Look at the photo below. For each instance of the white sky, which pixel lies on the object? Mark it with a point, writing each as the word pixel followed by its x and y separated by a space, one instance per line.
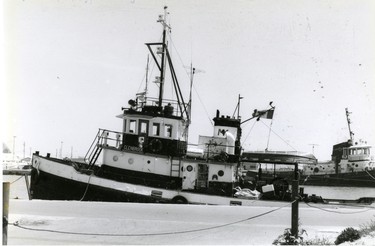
pixel 71 65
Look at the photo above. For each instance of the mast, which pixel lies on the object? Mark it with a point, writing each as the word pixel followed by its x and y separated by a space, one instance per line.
pixel 148 58
pixel 162 20
pixel 192 72
pixel 188 113
pixel 237 107
pixel 348 120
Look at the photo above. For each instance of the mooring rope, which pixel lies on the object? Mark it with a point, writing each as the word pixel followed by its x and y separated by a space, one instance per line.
pixel 87 187
pixel 17 179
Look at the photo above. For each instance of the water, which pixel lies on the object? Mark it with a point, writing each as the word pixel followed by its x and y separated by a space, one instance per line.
pixel 18 190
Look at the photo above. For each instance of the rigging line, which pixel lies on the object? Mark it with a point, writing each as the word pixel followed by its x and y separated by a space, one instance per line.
pixel 179 57
pixel 278 136
pixel 204 107
pixel 188 75
pixel 144 78
pixel 249 132
pixel 338 212
pixel 16 224
pixel 17 179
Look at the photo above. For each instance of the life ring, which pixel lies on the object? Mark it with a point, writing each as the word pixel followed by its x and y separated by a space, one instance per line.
pixel 156 146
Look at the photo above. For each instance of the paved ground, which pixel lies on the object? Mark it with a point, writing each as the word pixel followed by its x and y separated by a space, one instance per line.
pixel 165 223
pixel 169 224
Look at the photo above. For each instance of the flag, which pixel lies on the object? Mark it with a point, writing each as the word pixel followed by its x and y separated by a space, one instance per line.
pixel 267 114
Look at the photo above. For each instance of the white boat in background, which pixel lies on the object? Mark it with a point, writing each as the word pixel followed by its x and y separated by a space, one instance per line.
pixel 12 161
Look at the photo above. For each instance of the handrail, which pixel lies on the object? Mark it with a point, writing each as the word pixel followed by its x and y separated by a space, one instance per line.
pixel 90 150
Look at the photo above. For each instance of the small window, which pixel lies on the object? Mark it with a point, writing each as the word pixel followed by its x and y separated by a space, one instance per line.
pixel 168 130
pixel 143 127
pixel 155 129
pixel 124 130
pixel 132 124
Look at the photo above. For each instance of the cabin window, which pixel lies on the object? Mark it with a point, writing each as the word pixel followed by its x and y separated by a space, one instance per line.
pixel 143 127
pixel 124 129
pixel 156 129
pixel 132 126
pixel 168 130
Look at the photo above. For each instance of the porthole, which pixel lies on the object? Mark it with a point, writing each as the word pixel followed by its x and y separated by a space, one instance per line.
pixel 131 161
pixel 148 162
pixel 115 158
pixel 220 173
pixel 189 168
pixel 316 170
pixel 356 165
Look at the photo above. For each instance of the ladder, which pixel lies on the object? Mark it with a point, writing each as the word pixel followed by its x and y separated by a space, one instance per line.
pixel 175 167
pixel 95 155
pixel 95 149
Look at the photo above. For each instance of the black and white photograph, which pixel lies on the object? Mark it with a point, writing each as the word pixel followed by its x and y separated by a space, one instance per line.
pixel 166 122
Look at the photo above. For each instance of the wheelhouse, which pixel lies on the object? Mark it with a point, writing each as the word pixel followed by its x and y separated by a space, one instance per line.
pixel 357 153
pixel 153 129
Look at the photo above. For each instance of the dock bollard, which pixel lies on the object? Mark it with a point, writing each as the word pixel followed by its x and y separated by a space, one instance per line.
pixel 6 186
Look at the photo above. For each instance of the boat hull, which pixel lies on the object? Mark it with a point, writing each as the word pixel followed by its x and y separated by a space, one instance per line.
pixel 46 186
pixel 55 179
pixel 354 179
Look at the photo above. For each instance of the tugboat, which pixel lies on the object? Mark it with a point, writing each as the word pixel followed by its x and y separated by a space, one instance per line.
pixel 351 165
pixel 149 160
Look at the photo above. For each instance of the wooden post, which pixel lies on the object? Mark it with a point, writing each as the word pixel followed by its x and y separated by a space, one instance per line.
pixel 295 200
pixel 6 186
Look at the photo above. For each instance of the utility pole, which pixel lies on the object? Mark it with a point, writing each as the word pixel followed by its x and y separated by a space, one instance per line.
pixel 313 147
pixel 61 147
pixel 24 144
pixel 14 145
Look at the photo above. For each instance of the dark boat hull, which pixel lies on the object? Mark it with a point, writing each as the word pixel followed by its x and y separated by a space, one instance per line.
pixel 46 186
pixel 354 179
